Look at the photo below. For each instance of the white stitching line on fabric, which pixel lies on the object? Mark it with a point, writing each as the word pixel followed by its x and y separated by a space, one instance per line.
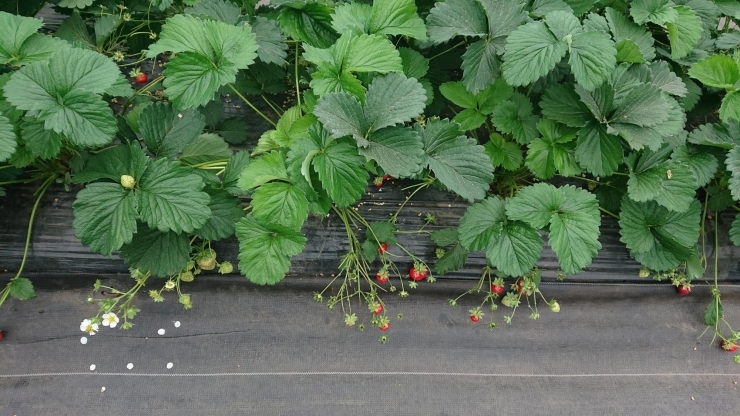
pixel 369 373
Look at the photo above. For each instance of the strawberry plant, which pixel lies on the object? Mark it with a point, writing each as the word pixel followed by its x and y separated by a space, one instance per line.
pixel 546 117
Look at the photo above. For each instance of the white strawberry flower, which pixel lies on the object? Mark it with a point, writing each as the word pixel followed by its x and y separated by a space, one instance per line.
pixel 110 319
pixel 88 326
pixel 169 284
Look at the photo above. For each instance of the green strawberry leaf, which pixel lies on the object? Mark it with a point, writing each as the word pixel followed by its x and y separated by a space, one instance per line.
pixel 21 288
pixel 625 30
pixel 597 151
pixel 660 239
pixel 503 18
pixel 263 169
pixel 733 165
pixel 7 138
pixel 208 147
pixel 113 163
pixel 554 151
pixel 684 32
pixel 280 203
pixel 223 11
pixel 730 108
pixel 309 22
pixel 506 154
pixel 562 104
pixel 234 167
pixel 456 92
pixel 654 11
pixel 342 115
pixel 516 250
pixel 628 51
pixel 265 250
pixel 351 18
pixel 382 231
pixel 735 231
pixel 226 211
pixel 592 58
pixel 713 313
pixel 482 223
pixel 271 46
pixel 42 143
pixel 20 44
pixel 515 117
pixel 573 218
pixel 445 237
pixel 166 131
pixel 342 173
pixel 161 254
pixel 480 65
pixel 654 177
pixel 456 18
pixel 454 258
pixel 105 216
pixel 398 150
pixel 643 106
pixel 170 198
pixel 703 165
pixel 393 99
pixel 396 17
pixel 531 52
pixel 456 160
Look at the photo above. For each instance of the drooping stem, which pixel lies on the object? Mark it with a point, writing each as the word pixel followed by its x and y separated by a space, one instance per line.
pixel 40 194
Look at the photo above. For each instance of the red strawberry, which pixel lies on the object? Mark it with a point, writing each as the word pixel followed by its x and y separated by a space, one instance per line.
pixel 383 248
pixel 378 309
pixel 141 78
pixel 382 277
pixel 385 326
pixel 683 290
pixel 2 335
pixel 474 318
pixel 728 346
pixel 497 289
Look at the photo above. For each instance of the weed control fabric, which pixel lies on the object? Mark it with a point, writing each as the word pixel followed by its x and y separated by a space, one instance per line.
pixel 613 349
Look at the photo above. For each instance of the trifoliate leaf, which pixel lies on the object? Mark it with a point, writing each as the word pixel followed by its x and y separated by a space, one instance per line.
pixel 554 151
pixel 516 250
pixel 719 71
pixel 564 25
pixel 280 203
pixel 703 165
pixel 270 41
pixel 351 17
pixel 655 11
pixel 170 197
pixel 396 17
pixel 531 52
pixel 735 231
pixel 684 32
pixel 226 211
pixel 7 138
pixel 160 253
pixel 381 231
pixel 624 29
pixel 667 237
pixel 454 258
pixel 561 103
pixel 730 108
pixel 654 177
pixel 83 118
pixel 21 288
pixel 597 151
pixel 265 250
pixel 308 22
pixel 456 18
pixel 393 99
pixel 398 150
pixel 480 65
pixel 14 30
pixel 44 144
pixel 329 79
pixel 506 154
pixel 192 79
pixel 206 148
pixel 456 160
pixel 222 10
pixel 573 217
pixel 105 216
pixel 503 18
pixel 592 58
pixel 515 117
pixel 456 92
pixel 342 173
pixel 182 33
pixel 167 131
pixel 482 223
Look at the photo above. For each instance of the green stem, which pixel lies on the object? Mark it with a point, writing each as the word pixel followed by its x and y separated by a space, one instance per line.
pixel 271 105
pixel 607 212
pixel 247 102
pixel 447 50
pixel 297 86
pixel 18 181
pixel 428 181
pixel 41 192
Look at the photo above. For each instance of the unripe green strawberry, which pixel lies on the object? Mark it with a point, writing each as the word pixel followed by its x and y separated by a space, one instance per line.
pixel 128 181
pixel 206 259
pixel 187 276
pixel 225 267
pixel 554 306
pixel 644 272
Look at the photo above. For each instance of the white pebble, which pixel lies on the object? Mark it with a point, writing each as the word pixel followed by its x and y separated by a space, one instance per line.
pixel 92 367
pixel 169 365
pixel 130 365
pixel 83 340
pixel 161 331
pixel 177 324
pixel 102 389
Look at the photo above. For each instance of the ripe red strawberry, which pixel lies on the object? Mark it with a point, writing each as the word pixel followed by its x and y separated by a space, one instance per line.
pixel 141 78
pixel 418 272
pixel 378 309
pixel 385 326
pixel 2 335
pixel 728 346
pixel 388 178
pixel 497 289
pixel 474 318
pixel 683 290
pixel 519 284
pixel 382 277
pixel 383 248
pixel 378 181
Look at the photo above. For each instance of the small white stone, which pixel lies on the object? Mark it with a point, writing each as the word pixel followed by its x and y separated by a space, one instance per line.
pixel 169 365
pixel 177 324
pixel 161 331
pixel 92 367
pixel 83 340
pixel 102 389
pixel 130 365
